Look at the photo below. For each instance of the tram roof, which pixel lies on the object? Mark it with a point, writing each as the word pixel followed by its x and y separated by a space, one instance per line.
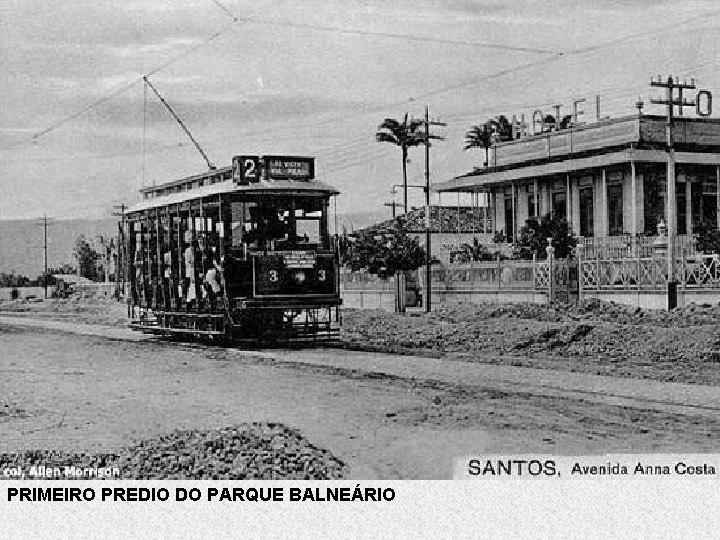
pixel 229 187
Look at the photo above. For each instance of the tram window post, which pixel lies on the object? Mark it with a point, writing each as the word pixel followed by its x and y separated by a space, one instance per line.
pixel 167 260
pixel 192 266
pixel 159 288
pixel 131 283
pixel 179 290
pixel 324 244
pixel 143 262
pixel 204 246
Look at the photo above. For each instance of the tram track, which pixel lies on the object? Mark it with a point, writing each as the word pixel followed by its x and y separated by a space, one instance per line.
pixel 451 372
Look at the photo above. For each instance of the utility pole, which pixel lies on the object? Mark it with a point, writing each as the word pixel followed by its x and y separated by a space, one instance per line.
pixel 428 247
pixel 44 225
pixel 671 102
pixel 393 191
pixel 392 205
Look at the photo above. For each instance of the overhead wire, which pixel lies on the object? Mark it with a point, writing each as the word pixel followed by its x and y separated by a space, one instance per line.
pixel 462 84
pixel 390 35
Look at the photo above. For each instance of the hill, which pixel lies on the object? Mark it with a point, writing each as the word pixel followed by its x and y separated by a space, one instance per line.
pixel 21 242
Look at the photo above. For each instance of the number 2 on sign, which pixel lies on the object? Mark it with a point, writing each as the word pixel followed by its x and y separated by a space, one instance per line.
pixel 249 168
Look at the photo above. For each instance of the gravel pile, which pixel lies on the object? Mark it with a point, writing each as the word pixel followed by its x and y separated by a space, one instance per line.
pixel 598 337
pixel 244 452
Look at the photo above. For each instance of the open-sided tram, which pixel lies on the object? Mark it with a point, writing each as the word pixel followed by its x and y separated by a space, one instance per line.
pixel 240 253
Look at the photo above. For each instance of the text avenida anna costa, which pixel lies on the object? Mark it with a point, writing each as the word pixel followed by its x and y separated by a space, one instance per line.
pixel 549 467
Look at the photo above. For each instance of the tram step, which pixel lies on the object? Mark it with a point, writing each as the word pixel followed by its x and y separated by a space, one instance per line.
pixel 165 329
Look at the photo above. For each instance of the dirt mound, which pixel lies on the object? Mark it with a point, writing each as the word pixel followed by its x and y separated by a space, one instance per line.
pixel 102 311
pixel 248 451
pixel 593 336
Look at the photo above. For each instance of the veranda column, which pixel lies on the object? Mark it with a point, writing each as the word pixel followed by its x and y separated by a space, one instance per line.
pixel 536 198
pixel 568 200
pixel 633 201
pixel 603 214
pixel 688 205
pixel 717 194
pixel 491 209
pixel 513 195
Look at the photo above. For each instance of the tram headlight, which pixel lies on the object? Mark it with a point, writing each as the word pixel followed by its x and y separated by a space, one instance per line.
pixel 299 277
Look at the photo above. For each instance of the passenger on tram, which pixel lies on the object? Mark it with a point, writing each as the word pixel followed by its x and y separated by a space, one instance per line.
pixel 190 274
pixel 211 282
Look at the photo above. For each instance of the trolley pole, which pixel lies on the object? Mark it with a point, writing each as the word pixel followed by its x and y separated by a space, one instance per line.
pixel 428 246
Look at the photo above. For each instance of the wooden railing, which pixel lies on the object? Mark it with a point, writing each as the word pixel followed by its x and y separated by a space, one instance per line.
pixel 649 273
pixel 630 246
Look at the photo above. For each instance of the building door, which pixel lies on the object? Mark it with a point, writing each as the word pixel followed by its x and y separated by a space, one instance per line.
pixel 509 221
pixel 559 205
pixel 586 212
pixel 615 209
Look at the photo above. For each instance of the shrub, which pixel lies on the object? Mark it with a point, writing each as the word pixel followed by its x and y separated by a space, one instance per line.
pixel 534 235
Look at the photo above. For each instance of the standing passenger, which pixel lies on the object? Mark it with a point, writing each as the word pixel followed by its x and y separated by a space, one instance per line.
pixel 190 291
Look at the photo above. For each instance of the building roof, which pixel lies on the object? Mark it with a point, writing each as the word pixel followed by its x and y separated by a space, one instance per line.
pixel 606 143
pixel 464 219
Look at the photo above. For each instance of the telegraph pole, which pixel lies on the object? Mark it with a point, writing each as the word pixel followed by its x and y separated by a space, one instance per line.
pixel 44 225
pixel 428 247
pixel 671 102
pixel 392 205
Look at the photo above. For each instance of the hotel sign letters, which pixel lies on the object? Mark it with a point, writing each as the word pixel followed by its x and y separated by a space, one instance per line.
pixel 540 121
pixel 703 103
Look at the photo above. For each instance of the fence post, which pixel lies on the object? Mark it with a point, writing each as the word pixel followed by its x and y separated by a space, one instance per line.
pixel 534 270
pixel 579 275
pixel 683 269
pixel 551 270
pixel 597 269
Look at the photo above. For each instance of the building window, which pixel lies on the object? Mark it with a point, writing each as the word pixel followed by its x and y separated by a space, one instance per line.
pixel 681 203
pixel 615 209
pixel 586 212
pixel 559 204
pixel 654 188
pixel 707 193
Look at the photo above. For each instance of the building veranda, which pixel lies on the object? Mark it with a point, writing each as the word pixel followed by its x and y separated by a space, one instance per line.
pixel 635 191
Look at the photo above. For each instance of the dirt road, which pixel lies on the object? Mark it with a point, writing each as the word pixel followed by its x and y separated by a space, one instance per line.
pixel 88 393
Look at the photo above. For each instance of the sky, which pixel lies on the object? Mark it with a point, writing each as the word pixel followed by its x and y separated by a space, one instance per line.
pixel 78 134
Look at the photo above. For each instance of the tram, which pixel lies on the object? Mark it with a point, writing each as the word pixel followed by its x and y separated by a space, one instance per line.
pixel 235 254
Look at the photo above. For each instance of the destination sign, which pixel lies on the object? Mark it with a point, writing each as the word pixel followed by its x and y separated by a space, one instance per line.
pixel 299 259
pixel 289 167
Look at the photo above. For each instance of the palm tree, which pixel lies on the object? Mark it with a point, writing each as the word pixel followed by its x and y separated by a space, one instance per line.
pixel 404 134
pixel 502 128
pixel 479 137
